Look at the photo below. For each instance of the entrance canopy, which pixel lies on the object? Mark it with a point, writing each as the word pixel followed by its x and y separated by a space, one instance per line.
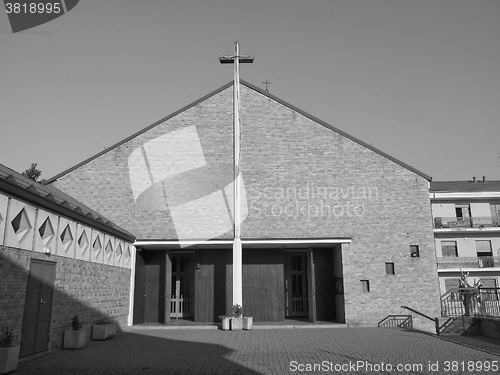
pixel 248 243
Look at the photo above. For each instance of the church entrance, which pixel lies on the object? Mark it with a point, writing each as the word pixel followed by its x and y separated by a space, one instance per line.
pixel 181 296
pixel 296 295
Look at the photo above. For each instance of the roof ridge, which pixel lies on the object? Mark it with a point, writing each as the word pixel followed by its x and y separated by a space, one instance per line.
pixel 259 90
pixel 337 130
pixel 156 123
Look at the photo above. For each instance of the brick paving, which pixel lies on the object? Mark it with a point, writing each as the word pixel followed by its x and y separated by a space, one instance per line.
pixel 143 350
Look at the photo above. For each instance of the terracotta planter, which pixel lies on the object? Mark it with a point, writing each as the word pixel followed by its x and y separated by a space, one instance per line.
pixel 74 339
pixel 9 357
pixel 236 324
pixel 225 322
pixel 247 323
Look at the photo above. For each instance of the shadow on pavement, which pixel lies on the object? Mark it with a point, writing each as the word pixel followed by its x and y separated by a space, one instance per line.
pixel 136 353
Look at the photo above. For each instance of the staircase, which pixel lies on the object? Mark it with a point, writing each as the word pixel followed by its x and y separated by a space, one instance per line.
pixel 399 321
pixel 463 325
pixel 459 307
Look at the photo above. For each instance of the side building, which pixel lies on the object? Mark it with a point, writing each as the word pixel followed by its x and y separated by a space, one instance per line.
pixel 58 258
pixel 325 226
pixel 466 218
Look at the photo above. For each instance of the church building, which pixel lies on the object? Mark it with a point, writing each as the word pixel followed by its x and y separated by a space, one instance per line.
pixel 332 229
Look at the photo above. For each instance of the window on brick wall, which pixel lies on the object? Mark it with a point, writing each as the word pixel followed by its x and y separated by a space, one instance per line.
pixel 450 284
pixel 365 286
pixel 462 210
pixel 489 283
pixel 483 248
pixel 389 268
pixel 414 251
pixel 495 214
pixel 449 248
pixel 489 294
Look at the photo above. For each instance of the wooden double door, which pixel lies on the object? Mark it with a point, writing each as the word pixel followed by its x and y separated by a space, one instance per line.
pixel 164 287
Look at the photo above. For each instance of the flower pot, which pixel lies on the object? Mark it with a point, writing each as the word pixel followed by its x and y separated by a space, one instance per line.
pixel 236 324
pixel 225 323
pixel 74 339
pixel 103 331
pixel 112 330
pixel 247 323
pixel 9 357
pixel 100 332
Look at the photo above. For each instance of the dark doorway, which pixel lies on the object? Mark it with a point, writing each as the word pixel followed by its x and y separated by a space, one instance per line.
pixel 149 291
pixel 38 307
pixel 296 304
pixel 182 287
pixel 152 294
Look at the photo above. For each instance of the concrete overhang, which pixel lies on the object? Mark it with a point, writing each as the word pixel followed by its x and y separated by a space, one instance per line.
pixel 247 243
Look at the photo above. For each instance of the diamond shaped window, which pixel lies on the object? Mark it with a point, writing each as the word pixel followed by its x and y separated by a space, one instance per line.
pixel 109 248
pixel 46 231
pixel 66 237
pixel 128 254
pixel 119 250
pixel 83 241
pixel 97 246
pixel 21 225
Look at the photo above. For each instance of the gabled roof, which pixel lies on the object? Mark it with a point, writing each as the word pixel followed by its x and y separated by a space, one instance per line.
pixel 464 186
pixel 52 199
pixel 262 92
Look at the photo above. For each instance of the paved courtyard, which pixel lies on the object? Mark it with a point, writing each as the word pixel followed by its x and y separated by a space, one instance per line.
pixel 143 350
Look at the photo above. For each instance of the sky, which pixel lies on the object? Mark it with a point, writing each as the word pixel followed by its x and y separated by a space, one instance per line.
pixel 419 80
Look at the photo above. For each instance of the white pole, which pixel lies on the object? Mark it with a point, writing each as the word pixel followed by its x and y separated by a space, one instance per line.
pixel 237 251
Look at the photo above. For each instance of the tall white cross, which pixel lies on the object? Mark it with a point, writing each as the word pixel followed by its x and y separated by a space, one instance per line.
pixel 237 251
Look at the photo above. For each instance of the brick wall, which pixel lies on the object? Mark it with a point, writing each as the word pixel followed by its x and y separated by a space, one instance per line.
pixel 91 291
pixel 302 180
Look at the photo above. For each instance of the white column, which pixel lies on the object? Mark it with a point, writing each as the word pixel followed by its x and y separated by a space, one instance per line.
pixel 237 251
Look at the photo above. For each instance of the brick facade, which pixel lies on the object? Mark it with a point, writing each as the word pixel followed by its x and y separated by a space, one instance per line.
pixel 303 179
pixel 91 291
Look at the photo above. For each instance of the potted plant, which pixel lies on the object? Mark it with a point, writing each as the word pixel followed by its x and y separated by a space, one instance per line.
pixel 237 319
pixel 75 337
pixel 103 330
pixel 225 321
pixel 9 351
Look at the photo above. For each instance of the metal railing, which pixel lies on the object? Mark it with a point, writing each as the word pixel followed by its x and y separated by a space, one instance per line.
pixel 435 320
pixel 471 302
pixel 468 262
pixel 397 321
pixel 466 222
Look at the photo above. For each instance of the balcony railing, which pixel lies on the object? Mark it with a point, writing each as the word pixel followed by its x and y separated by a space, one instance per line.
pixel 471 302
pixel 468 262
pixel 466 222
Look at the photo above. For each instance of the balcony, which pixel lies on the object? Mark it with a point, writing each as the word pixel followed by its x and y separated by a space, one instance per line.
pixel 467 262
pixel 458 302
pixel 441 222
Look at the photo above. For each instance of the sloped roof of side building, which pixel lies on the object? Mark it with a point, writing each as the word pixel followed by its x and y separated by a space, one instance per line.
pixel 466 186
pixel 53 199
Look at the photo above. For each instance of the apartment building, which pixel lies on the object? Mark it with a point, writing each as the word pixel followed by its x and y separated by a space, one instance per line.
pixel 466 216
